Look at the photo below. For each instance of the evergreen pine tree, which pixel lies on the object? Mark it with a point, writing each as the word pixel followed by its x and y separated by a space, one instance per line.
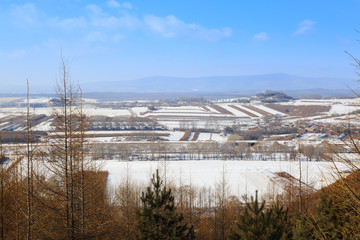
pixel 250 224
pixel 158 218
pixel 280 223
pixel 328 220
pixel 303 229
pixel 256 222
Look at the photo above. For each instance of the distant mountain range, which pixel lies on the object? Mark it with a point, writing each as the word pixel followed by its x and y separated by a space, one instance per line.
pixel 279 82
pixel 242 85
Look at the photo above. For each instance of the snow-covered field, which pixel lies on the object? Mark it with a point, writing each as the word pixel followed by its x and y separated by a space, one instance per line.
pixel 269 110
pixel 108 112
pixel 242 177
pixel 343 109
pixel 210 117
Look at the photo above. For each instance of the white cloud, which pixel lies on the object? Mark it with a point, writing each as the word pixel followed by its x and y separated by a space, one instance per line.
pixel 103 26
pixel 304 27
pixel 96 37
pixel 68 23
pixel 262 36
pixel 26 13
pixel 171 27
pixel 101 37
pixel 94 9
pixel 99 18
pixel 127 5
pixel 125 21
pixel 14 54
pixel 115 4
pixel 117 37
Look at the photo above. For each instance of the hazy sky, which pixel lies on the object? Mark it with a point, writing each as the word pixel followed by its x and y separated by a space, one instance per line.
pixel 116 40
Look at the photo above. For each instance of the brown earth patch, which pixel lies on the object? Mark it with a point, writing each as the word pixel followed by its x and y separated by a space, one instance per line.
pixel 221 109
pixel 195 137
pixel 300 110
pixel 186 135
pixel 258 110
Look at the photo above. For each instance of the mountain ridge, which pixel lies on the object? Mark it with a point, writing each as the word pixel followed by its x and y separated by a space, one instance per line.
pixel 275 81
pixel 211 84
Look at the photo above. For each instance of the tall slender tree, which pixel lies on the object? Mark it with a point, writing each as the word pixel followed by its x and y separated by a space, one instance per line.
pixel 75 184
pixel 29 167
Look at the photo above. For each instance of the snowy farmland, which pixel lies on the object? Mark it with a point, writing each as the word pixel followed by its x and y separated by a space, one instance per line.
pixel 214 116
pixel 210 130
pixel 242 177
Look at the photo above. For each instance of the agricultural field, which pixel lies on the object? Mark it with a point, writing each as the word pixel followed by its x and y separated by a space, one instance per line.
pixel 256 144
pixel 212 117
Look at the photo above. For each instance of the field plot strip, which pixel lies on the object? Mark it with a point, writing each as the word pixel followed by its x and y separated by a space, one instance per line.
pixel 195 137
pixel 300 110
pixel 236 112
pixel 193 117
pixel 180 113
pixel 206 109
pixel 244 111
pixel 186 135
pixel 204 137
pixel 221 109
pixel 270 110
pixel 131 134
pixel 213 110
pixel 255 109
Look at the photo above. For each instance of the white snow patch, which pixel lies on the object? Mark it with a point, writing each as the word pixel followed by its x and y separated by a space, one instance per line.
pixel 269 110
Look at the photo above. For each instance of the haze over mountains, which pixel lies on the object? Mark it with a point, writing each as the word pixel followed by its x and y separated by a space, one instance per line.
pixel 219 84
pixel 211 84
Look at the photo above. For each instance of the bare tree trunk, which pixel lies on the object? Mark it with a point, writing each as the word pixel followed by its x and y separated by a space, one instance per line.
pixel 300 173
pixel 2 202
pixel 29 166
pixel 82 170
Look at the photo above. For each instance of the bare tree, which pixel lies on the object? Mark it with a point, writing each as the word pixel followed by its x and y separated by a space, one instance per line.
pixel 222 218
pixel 76 183
pixel 29 168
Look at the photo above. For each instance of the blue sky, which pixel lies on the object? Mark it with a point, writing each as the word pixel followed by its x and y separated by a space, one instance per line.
pixel 117 40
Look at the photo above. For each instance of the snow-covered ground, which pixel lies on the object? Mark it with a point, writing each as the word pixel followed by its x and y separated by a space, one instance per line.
pixel 139 110
pixel 9 99
pixel 242 106
pixel 185 109
pixel 108 112
pixel 269 110
pixel 233 110
pixel 343 109
pixel 204 137
pixel 243 177
pixel 175 136
pixel 197 123
pixel 43 126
